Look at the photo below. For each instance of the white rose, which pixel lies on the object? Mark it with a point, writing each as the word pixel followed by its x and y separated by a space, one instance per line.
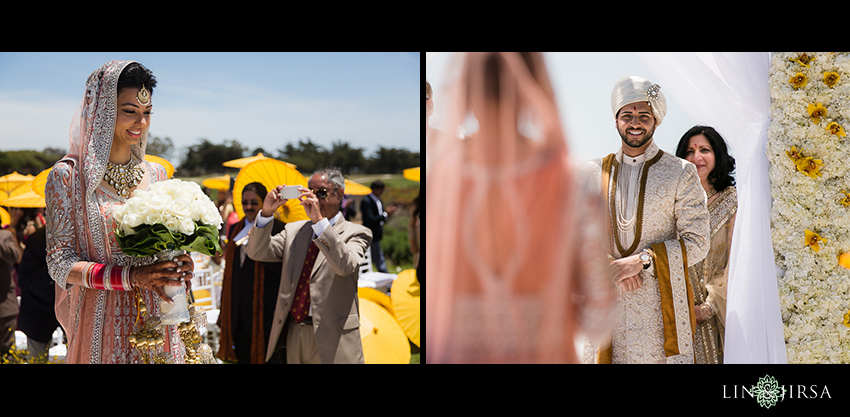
pixel 130 221
pixel 172 224
pixel 210 216
pixel 159 202
pixel 196 209
pixel 181 207
pixel 186 226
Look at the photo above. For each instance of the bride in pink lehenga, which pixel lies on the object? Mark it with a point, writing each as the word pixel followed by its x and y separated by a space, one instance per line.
pixel 97 284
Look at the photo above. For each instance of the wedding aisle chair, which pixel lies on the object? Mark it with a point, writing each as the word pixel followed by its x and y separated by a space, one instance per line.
pixel 378 280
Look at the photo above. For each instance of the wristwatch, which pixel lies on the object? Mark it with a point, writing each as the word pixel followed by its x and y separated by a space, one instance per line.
pixel 646 258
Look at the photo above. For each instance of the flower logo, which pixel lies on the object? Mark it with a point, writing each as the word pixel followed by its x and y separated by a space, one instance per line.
pixel 768 391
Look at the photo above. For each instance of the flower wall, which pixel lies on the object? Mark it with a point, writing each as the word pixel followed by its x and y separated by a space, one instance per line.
pixel 809 154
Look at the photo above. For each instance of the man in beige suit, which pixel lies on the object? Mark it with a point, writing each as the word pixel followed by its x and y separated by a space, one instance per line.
pixel 318 322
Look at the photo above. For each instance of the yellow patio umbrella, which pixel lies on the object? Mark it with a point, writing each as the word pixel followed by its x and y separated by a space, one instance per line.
pixel 377 296
pixel 242 162
pixel 5 218
pixel 28 199
pixel 355 188
pixel 14 180
pixel 412 174
pixel 382 337
pixel 16 192
pixel 271 173
pixel 169 168
pixel 217 183
pixel 404 294
pixel 39 181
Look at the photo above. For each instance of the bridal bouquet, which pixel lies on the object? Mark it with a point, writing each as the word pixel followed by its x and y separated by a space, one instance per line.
pixel 170 215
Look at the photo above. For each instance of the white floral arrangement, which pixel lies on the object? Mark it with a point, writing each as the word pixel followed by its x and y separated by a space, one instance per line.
pixel 809 154
pixel 169 215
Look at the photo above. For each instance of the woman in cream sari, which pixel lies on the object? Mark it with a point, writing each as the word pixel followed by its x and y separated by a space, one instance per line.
pixel 706 149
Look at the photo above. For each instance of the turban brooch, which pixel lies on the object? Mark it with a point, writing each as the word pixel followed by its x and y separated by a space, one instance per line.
pixel 636 89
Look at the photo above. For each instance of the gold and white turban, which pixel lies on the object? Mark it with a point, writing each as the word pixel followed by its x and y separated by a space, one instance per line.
pixel 636 89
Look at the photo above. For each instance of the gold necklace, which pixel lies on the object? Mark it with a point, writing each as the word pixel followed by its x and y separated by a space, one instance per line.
pixel 124 177
pixel 711 193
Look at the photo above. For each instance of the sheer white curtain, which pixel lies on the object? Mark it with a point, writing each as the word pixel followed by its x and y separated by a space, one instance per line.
pixel 729 91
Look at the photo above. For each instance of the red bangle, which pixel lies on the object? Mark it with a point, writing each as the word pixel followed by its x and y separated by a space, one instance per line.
pixel 107 277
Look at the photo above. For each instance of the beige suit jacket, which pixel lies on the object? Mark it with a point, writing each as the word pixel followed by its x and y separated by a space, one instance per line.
pixel 333 283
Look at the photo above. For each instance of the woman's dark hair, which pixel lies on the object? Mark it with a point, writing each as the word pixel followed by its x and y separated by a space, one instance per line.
pixel 135 75
pixel 724 164
pixel 257 188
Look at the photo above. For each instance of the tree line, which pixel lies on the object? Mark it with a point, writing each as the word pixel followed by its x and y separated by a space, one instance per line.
pixel 206 157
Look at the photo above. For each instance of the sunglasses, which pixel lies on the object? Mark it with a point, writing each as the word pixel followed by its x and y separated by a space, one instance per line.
pixel 321 193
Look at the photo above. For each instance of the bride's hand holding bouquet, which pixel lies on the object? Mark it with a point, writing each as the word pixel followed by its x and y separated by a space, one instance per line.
pixel 165 220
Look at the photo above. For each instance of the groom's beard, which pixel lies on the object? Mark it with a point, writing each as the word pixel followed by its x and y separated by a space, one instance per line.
pixel 636 142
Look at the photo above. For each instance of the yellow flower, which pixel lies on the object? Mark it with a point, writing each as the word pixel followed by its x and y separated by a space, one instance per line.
pixel 836 129
pixel 813 239
pixel 810 166
pixel 798 80
pixel 794 154
pixel 803 59
pixel 830 78
pixel 844 260
pixel 846 200
pixel 847 319
pixel 816 112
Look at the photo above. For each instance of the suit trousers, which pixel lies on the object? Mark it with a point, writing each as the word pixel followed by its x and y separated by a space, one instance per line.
pixel 378 256
pixel 301 343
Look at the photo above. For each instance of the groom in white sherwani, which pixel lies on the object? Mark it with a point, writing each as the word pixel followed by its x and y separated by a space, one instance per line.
pixel 659 227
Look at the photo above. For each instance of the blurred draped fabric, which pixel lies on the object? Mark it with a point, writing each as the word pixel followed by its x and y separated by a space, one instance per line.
pixel 729 91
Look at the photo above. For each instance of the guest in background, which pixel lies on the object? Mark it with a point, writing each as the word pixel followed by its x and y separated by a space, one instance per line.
pixel 317 317
pixel 10 254
pixel 705 148
pixel 413 230
pixel 37 318
pixel 374 217
pixel 249 290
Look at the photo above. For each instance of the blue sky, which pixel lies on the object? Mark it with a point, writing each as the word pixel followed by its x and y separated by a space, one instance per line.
pixel 583 82
pixel 260 99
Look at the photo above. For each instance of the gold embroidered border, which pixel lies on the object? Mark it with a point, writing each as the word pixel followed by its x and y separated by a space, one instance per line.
pixel 611 206
pixel 676 300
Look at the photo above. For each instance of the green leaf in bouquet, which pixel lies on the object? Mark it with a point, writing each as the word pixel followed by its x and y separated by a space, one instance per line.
pixel 149 240
pixel 205 240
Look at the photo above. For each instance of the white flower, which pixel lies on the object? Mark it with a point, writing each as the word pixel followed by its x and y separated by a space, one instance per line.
pixel 186 226
pixel 173 203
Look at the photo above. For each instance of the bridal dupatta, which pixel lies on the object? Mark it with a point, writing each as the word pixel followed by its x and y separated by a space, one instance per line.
pixel 80 233
pixel 516 252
